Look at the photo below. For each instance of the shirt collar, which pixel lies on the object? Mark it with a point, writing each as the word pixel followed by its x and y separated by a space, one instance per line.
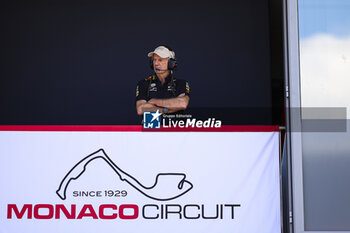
pixel 167 79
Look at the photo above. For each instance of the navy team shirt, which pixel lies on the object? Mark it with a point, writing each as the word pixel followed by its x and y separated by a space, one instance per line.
pixel 151 87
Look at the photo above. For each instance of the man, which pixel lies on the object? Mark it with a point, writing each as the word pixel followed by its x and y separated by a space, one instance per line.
pixel 162 91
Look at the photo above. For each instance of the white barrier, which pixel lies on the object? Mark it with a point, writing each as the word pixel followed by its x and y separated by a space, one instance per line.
pixel 150 182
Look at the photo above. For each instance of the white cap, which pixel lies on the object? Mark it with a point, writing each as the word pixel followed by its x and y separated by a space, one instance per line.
pixel 163 52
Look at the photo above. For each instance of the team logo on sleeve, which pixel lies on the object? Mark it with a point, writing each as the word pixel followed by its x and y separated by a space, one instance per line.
pixel 137 91
pixel 187 88
pixel 151 120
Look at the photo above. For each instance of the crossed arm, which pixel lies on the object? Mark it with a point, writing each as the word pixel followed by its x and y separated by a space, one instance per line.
pixel 172 104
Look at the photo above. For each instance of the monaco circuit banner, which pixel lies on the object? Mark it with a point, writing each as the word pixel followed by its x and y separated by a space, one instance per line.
pixel 133 182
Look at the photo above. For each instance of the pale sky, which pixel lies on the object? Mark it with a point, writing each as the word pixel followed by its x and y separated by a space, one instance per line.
pixel 324 16
pixel 324 27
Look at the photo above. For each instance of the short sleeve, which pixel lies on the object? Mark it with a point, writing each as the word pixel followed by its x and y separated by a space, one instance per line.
pixel 141 90
pixel 182 86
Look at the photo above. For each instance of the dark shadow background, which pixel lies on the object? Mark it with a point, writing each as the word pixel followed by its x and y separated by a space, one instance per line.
pixel 79 62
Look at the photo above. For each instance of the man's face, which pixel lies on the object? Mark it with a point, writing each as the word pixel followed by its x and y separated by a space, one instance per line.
pixel 160 63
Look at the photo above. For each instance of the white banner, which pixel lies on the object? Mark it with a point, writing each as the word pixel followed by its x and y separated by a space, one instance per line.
pixel 130 182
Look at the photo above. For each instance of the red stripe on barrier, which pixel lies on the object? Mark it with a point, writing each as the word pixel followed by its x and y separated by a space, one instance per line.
pixel 223 128
pixel 104 128
pixel 138 128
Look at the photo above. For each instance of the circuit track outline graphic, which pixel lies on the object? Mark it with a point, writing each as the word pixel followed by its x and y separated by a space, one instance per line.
pixel 183 186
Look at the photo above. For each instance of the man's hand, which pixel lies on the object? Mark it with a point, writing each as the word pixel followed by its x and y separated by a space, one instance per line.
pixel 173 104
pixel 144 106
